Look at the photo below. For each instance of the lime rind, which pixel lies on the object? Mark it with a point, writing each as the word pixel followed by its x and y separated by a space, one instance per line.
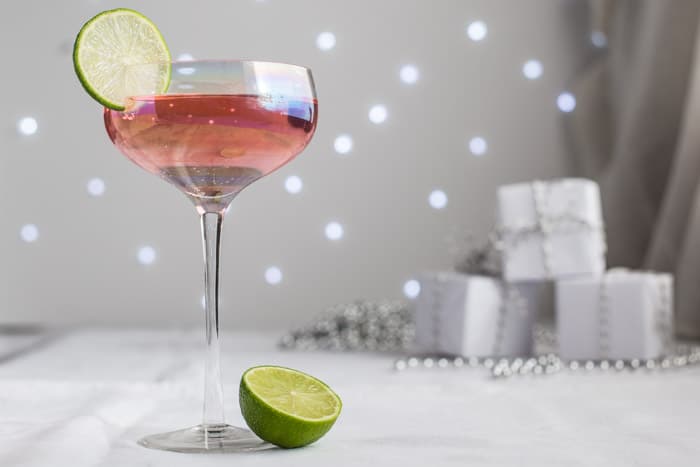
pixel 308 390
pixel 111 41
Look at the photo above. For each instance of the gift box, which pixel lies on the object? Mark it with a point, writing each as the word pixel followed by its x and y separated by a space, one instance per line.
pixel 551 230
pixel 469 315
pixel 622 315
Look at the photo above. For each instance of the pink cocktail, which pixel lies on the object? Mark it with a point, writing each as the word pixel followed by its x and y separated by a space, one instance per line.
pixel 211 146
pixel 221 126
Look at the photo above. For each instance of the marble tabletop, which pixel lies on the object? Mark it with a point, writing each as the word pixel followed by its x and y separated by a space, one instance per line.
pixel 82 398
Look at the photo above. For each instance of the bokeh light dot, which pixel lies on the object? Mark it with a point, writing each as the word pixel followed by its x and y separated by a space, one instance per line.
pixel 409 74
pixel 29 233
pixel 146 255
pixel 343 144
pixel 334 231
pixel 185 57
pixel 437 199
pixel 599 39
pixel 27 126
pixel 566 102
pixel 96 186
pixel 325 41
pixel 273 275
pixel 378 114
pixel 477 30
pixel 478 146
pixel 532 69
pixel 293 184
pixel 411 288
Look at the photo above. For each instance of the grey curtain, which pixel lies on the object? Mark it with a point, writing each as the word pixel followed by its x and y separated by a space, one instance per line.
pixel 636 129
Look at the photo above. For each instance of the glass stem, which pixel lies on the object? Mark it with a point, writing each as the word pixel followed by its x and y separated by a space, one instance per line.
pixel 213 391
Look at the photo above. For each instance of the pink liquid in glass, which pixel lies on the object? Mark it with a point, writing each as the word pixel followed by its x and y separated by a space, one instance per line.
pixel 211 145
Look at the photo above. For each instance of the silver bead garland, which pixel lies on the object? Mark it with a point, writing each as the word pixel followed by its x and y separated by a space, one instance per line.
pixel 481 259
pixel 362 325
pixel 682 355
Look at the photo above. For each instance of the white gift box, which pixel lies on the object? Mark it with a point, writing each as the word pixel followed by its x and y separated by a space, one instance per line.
pixel 622 315
pixel 477 316
pixel 551 230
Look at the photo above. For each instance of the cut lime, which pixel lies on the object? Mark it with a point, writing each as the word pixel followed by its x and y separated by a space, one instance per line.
pixel 105 48
pixel 287 407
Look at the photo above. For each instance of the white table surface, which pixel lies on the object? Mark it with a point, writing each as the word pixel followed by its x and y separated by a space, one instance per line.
pixel 84 398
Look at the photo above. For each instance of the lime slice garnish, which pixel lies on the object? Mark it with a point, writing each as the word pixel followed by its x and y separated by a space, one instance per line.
pixel 106 46
pixel 287 407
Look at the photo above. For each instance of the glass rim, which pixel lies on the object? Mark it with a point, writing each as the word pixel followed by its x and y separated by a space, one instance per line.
pixel 219 61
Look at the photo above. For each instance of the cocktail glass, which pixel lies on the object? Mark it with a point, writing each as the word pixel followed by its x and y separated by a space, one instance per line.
pixel 220 126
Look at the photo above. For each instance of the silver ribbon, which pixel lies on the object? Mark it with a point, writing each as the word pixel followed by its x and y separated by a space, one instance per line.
pixel 662 312
pixel 437 309
pixel 512 303
pixel 604 318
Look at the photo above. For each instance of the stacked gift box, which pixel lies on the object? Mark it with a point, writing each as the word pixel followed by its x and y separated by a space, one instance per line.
pixel 548 232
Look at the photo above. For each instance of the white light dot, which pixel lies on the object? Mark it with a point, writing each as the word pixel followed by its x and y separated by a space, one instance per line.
pixel 477 30
pixel 204 302
pixel 29 233
pixel 186 70
pixel 146 255
pixel 334 231
pixel 273 275
pixel 27 126
pixel 378 114
pixel 532 69
pixel 343 144
pixel 437 199
pixel 599 39
pixel 96 186
pixel 293 184
pixel 566 102
pixel 411 288
pixel 478 146
pixel 325 41
pixel 409 74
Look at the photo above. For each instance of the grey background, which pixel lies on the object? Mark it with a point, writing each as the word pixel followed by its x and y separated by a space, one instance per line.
pixel 83 268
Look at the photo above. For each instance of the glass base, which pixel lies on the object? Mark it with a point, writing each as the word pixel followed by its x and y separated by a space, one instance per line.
pixel 206 438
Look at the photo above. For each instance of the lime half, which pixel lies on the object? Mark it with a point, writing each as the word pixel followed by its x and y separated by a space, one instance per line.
pixel 105 48
pixel 287 407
